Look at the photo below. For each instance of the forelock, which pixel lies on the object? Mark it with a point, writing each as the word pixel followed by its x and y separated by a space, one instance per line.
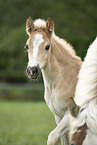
pixel 39 23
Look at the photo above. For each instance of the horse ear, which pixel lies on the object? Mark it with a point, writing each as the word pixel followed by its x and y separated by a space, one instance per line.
pixel 50 25
pixel 29 25
pixel 73 107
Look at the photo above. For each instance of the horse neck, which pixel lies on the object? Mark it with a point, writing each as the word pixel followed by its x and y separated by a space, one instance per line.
pixel 59 59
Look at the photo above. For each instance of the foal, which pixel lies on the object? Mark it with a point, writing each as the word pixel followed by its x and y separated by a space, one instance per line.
pixel 59 65
pixel 84 121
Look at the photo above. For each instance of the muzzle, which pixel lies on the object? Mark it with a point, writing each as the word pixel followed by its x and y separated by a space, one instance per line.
pixel 33 72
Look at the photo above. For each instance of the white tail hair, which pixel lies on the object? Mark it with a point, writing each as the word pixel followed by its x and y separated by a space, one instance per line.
pixel 86 88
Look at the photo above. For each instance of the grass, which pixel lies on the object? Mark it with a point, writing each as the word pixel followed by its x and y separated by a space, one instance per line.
pixel 25 123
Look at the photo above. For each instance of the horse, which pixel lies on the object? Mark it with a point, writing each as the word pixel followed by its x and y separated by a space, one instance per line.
pixel 59 64
pixel 83 107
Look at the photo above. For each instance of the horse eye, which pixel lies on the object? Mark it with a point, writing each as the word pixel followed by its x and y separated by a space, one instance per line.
pixel 26 47
pixel 47 47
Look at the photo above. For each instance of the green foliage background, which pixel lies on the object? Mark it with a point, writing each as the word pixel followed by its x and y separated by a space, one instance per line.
pixel 75 21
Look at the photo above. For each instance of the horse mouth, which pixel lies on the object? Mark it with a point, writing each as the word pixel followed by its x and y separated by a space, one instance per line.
pixel 33 72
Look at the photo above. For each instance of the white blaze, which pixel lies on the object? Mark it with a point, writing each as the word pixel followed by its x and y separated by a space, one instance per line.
pixel 37 41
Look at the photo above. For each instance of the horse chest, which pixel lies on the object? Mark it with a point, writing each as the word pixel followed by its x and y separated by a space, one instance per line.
pixel 55 105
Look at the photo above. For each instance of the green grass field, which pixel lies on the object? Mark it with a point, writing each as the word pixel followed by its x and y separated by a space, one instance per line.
pixel 25 123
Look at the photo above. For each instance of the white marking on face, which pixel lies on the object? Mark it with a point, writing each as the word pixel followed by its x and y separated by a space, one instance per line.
pixel 37 41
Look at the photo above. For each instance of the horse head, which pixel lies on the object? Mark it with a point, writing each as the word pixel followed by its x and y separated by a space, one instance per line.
pixel 38 45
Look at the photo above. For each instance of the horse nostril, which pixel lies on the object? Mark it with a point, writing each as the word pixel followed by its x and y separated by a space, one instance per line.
pixel 34 70
pixel 28 71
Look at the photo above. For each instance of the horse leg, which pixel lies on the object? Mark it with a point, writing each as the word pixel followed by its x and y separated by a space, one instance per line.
pixel 64 139
pixel 54 139
pixel 55 136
